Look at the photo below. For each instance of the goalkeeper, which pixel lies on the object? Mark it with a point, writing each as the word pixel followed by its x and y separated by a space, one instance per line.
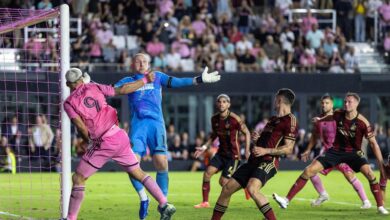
pixel 147 121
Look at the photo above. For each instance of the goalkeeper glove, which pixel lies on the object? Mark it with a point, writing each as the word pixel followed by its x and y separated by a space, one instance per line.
pixel 208 77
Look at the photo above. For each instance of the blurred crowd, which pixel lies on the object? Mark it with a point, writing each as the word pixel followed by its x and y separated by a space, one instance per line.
pixel 227 35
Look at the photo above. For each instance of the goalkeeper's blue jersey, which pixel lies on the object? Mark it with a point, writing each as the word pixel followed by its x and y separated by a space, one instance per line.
pixel 146 101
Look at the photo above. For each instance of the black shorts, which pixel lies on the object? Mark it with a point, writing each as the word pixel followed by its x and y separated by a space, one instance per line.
pixel 263 171
pixel 226 164
pixel 331 158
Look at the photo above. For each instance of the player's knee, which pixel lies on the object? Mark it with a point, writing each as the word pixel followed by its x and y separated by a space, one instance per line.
pixel 253 190
pixel 78 179
pixel 227 190
pixel 222 181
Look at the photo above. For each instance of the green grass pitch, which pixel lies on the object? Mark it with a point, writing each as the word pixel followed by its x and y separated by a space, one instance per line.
pixel 110 196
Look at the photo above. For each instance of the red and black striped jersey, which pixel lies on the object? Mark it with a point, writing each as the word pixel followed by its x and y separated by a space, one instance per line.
pixel 274 133
pixel 350 133
pixel 227 130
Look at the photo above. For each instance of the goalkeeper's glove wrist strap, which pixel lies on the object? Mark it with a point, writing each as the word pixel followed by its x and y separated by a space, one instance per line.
pixel 199 79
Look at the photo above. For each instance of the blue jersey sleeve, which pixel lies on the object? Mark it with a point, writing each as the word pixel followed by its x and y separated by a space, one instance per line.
pixel 124 81
pixel 174 82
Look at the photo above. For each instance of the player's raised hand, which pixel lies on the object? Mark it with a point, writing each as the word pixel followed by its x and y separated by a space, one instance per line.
pixel 210 77
pixel 199 151
pixel 305 156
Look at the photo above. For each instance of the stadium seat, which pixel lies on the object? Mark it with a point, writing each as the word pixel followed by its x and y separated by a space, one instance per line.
pixel 187 65
pixel 119 42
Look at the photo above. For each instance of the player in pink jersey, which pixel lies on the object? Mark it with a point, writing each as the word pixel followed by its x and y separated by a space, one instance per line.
pixel 326 131
pixel 97 122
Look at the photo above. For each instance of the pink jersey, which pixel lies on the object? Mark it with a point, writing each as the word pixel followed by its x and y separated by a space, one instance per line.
pixel 89 103
pixel 326 129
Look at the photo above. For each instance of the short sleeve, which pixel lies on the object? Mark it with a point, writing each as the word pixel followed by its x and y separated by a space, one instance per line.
pixel 106 89
pixel 291 128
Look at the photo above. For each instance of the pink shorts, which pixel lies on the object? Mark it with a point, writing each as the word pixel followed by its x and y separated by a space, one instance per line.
pixel 342 167
pixel 114 145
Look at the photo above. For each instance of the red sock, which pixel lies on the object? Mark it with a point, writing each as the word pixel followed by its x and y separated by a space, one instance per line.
pixel 218 212
pixel 268 212
pixel 205 191
pixel 298 185
pixel 375 189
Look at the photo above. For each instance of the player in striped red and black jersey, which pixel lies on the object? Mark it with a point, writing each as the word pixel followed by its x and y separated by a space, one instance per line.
pixel 226 126
pixel 351 127
pixel 277 138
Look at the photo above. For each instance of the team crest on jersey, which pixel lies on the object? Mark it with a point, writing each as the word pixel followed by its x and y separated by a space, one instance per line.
pixel 353 127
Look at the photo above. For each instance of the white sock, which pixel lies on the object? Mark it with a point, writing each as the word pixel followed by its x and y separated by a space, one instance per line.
pixel 142 195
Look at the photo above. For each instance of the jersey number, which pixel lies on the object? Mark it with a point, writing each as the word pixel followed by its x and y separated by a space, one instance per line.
pixel 90 102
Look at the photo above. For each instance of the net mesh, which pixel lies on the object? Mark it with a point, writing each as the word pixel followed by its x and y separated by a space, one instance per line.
pixel 29 114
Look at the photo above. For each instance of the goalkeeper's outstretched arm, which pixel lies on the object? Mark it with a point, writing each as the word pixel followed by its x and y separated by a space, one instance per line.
pixel 205 77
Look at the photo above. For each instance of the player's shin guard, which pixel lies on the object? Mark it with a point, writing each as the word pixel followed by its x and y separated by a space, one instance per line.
pixel 317 183
pixel 268 212
pixel 218 212
pixel 76 198
pixel 357 185
pixel 375 189
pixel 205 191
pixel 163 181
pixel 154 190
pixel 298 186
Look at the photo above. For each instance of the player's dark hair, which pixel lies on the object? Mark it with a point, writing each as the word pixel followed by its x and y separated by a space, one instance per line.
pixel 326 96
pixel 353 94
pixel 288 94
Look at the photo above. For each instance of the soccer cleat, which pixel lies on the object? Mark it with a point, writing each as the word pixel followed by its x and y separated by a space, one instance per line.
pixel 143 209
pixel 202 205
pixel 283 202
pixel 382 210
pixel 321 199
pixel 366 204
pixel 167 211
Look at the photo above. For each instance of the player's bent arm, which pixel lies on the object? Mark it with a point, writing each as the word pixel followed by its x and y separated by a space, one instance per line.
pixel 244 129
pixel 377 152
pixel 285 149
pixel 129 87
pixel 81 128
pixel 312 142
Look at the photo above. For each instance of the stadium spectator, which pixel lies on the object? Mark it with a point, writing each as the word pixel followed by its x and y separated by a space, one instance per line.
pixel 264 63
pixel 95 50
pixel 351 61
pixel 314 37
pixel 160 62
pixel 329 45
pixel 287 39
pixel 9 164
pixel 247 62
pixel 15 133
pixel 219 63
pixel 224 8
pixel 165 7
pixel 344 11
pixel 40 140
pixel 243 13
pixel 384 12
pixel 124 60
pixel 226 48
pixel 360 20
pixel 44 5
pixel 308 22
pixel 120 20
pixel 177 151
pixel 104 35
pixel 182 46
pixel 272 50
pixel 155 47
pixel 322 61
pixel 372 7
pixel 173 60
pixel 199 26
pixel 243 45
pixel 336 62
pixel 34 49
pixel 307 61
